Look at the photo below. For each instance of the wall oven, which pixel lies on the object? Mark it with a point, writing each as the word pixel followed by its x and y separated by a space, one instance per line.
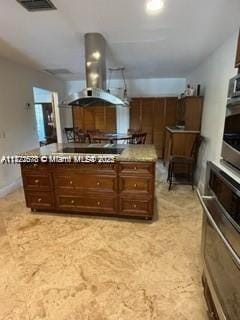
pixel 231 136
pixel 234 87
pixel 221 243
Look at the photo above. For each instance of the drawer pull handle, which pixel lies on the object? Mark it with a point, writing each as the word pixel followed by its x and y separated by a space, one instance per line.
pixel 72 202
pixel 36 181
pixel 135 168
pixel 98 183
pixel 99 203
pixel 134 206
pixel 70 182
pixel 135 185
pixel 39 200
pixel 35 165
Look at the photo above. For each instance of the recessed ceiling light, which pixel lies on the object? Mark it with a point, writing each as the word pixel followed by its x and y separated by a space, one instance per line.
pixel 96 55
pixel 154 6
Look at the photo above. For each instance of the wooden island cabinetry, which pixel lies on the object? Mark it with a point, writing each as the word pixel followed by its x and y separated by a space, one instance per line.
pixel 114 189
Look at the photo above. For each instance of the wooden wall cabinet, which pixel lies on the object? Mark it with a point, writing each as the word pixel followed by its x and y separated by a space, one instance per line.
pixel 190 112
pixel 152 115
pixel 99 117
pixel 237 65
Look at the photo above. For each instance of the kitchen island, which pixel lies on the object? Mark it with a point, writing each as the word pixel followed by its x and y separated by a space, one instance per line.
pixel 99 179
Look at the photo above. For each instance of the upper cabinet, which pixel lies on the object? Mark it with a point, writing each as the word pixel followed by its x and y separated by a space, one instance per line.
pixel 99 117
pixel 190 112
pixel 237 65
pixel 152 115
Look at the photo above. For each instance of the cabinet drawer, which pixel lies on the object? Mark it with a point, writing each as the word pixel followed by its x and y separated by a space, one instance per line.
pixel 37 181
pixel 86 182
pixel 135 185
pixel 96 168
pixel 136 168
pixel 136 207
pixel 87 203
pixel 39 200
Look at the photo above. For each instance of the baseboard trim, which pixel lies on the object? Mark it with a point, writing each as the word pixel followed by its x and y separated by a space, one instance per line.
pixel 201 188
pixel 4 191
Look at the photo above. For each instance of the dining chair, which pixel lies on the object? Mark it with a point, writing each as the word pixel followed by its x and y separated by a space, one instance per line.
pixel 139 138
pixel 133 131
pixel 125 141
pixel 69 132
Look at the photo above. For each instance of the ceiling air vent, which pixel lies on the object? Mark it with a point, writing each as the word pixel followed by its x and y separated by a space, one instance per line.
pixel 56 72
pixel 37 5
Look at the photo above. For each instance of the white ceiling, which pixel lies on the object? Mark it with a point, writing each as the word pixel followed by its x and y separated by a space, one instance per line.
pixel 167 45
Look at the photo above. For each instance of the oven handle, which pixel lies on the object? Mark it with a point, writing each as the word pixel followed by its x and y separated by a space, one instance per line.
pixel 234 255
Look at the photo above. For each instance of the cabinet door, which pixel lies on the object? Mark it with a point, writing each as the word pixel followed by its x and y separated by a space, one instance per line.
pixel 111 119
pixel 193 113
pixel 147 118
pixel 78 118
pixel 181 112
pixel 238 53
pixel 89 119
pixel 171 109
pixel 135 111
pixel 159 125
pixel 99 115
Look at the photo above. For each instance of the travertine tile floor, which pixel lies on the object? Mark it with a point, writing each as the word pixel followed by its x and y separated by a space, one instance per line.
pixel 64 268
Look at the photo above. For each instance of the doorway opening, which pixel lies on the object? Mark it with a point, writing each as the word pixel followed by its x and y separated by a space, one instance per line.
pixel 47 117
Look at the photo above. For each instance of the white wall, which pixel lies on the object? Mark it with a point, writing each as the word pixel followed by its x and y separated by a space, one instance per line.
pixel 136 88
pixel 214 74
pixel 17 123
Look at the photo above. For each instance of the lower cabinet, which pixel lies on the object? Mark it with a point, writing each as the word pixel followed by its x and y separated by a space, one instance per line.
pixel 87 203
pixel 39 200
pixel 125 189
pixel 135 207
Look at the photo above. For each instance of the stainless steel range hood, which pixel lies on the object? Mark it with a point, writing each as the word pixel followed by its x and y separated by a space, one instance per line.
pixel 95 63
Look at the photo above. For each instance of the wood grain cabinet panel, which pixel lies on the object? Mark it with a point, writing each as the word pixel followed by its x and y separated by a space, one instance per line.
pixel 136 168
pixel 39 200
pixel 190 112
pixel 128 185
pixel 41 182
pixel 99 117
pixel 85 182
pixel 135 207
pixel 90 203
pixel 135 114
pixel 152 115
pixel 147 112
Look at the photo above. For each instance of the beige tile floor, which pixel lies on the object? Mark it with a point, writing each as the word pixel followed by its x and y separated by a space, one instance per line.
pixel 64 268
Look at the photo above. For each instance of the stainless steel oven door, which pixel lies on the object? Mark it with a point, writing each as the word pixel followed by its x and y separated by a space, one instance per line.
pixel 221 262
pixel 231 137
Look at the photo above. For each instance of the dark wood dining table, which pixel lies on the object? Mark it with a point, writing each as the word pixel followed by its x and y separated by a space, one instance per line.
pixel 111 137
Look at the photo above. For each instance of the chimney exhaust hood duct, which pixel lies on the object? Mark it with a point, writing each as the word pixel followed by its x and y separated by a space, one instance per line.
pixel 95 64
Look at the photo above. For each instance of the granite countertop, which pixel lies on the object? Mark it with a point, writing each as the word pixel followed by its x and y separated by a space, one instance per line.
pixel 178 130
pixel 130 152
